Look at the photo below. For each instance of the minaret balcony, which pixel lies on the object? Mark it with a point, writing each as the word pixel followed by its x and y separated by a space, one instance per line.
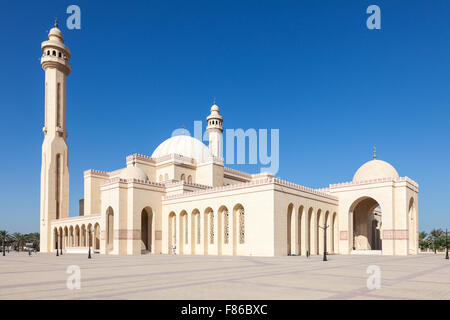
pixel 49 61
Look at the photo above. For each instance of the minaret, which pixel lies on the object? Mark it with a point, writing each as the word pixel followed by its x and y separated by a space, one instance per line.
pixel 215 130
pixel 54 169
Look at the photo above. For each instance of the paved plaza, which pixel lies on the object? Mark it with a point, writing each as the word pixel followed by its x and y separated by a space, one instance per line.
pixel 44 276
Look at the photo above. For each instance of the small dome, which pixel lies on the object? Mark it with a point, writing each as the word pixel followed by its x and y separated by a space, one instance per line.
pixel 55 34
pixel 133 173
pixel 375 169
pixel 184 145
pixel 215 107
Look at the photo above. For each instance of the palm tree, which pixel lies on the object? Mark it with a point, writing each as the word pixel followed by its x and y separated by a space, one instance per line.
pixel 4 237
pixel 423 244
pixel 436 235
pixel 34 238
pixel 19 240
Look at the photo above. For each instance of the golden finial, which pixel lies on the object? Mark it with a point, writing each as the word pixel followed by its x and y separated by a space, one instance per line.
pixel 214 100
pixel 184 127
pixel 56 22
pixel 374 152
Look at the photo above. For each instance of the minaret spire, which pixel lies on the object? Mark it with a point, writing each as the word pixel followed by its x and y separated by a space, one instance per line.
pixel 215 130
pixel 54 164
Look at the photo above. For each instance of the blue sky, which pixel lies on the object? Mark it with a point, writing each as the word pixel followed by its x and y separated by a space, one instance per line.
pixel 310 68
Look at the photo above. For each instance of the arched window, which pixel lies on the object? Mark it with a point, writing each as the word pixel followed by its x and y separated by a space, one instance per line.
pixel 226 227
pixel 190 179
pixel 183 177
pixel 59 54
pixel 160 178
pixel 198 228
pixel 54 52
pixel 166 176
pixel 241 226
pixel 211 227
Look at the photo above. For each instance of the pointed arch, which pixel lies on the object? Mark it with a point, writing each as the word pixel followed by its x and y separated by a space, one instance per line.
pixel 223 213
pixel 311 231
pixel 319 232
pixel 195 231
pixel 83 235
pixel 289 226
pixel 109 229
pixel 97 236
pixel 300 218
pixel 77 235
pixel 183 231
pixel 335 233
pixel 89 235
pixel 365 224
pixel 146 229
pixel 172 236
pixel 413 236
pixel 208 231
pixel 71 240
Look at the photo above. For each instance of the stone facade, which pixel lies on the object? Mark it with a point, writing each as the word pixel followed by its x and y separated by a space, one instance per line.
pixel 184 199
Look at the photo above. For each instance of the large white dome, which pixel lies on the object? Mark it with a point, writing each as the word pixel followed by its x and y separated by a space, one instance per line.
pixel 186 146
pixel 375 169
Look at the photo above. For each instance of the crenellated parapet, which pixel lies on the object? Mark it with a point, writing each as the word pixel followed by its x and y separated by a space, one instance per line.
pixel 411 182
pixel 257 182
pixel 92 172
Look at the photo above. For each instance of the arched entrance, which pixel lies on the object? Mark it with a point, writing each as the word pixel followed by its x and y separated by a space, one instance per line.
pixel 55 239
pixel 146 229
pixel 97 237
pixel 290 232
pixel 77 236
pixel 365 222
pixel 311 232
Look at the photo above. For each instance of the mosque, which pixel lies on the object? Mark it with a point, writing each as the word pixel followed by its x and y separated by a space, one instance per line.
pixel 183 198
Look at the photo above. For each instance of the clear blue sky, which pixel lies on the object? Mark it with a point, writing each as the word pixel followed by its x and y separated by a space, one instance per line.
pixel 308 68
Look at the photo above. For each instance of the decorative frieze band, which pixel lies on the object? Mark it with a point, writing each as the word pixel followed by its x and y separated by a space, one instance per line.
pixel 395 234
pixel 129 234
pixel 269 180
pixel 379 180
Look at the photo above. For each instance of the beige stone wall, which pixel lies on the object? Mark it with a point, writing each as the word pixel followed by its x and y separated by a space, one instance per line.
pixel 210 174
pixel 297 217
pixel 93 180
pixel 257 202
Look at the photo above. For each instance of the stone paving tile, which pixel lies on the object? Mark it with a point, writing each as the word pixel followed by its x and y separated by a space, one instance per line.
pixel 44 276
